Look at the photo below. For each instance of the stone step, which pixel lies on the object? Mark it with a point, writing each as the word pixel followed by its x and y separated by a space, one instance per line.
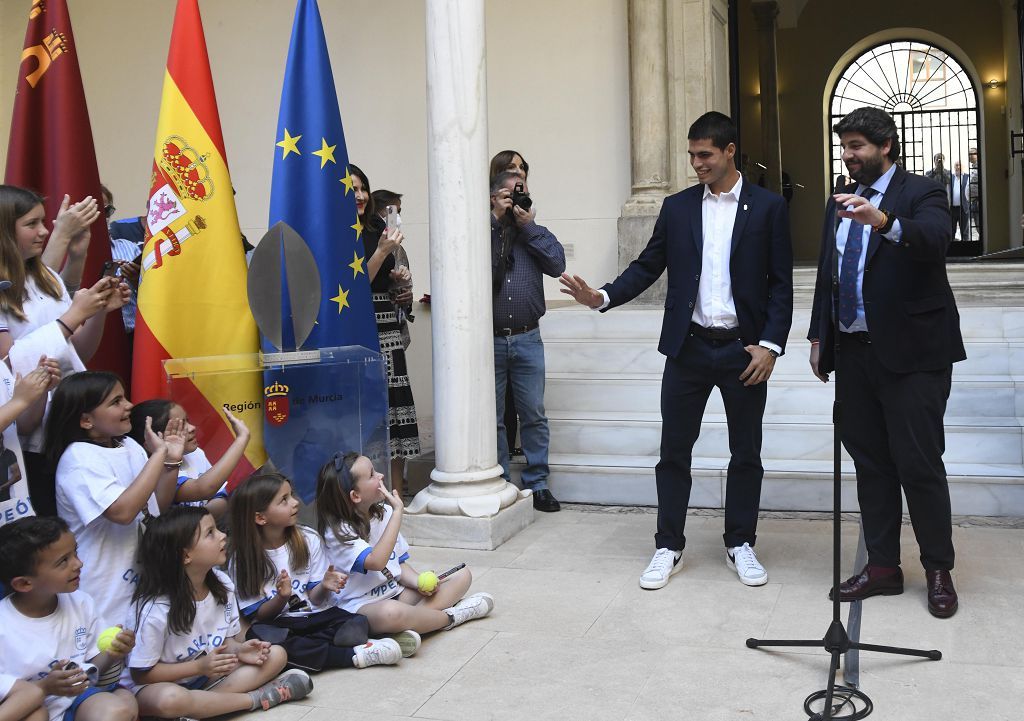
pixel 800 438
pixel 1004 359
pixel 568 392
pixel 574 322
pixel 804 485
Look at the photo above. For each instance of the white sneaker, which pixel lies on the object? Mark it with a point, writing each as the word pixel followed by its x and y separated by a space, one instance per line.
pixel 742 560
pixel 377 652
pixel 476 606
pixel 665 564
pixel 409 641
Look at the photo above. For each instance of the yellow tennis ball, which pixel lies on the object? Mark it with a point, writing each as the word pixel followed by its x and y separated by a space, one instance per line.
pixel 107 638
pixel 427 581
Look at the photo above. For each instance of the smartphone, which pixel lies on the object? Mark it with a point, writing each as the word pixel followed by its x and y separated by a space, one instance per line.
pixel 392 218
pixel 110 269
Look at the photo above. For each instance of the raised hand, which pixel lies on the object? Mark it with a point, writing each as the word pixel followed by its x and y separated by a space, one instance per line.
pixel 175 437
pixel 218 662
pixel 238 426
pixel 581 292
pixel 334 581
pixel 153 441
pixel 389 241
pixel 391 498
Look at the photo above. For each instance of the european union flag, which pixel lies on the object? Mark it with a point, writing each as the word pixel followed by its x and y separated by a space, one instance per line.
pixel 312 188
pixel 339 401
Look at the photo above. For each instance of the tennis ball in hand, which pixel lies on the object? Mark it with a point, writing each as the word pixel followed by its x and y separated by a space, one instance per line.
pixel 107 638
pixel 427 581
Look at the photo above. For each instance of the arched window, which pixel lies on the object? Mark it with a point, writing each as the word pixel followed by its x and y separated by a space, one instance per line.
pixel 935 105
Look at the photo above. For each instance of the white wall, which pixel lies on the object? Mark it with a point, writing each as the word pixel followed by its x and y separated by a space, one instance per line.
pixel 557 91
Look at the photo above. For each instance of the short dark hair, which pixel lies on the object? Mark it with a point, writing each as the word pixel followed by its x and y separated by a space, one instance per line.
pixel 874 124
pixel 503 177
pixel 383 198
pixel 713 126
pixel 22 540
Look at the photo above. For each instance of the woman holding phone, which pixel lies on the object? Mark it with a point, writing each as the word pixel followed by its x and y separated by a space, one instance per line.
pixel 380 243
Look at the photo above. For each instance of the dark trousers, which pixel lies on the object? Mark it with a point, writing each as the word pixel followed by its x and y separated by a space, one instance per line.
pixel 701 365
pixel 892 428
pixel 309 640
pixel 958 214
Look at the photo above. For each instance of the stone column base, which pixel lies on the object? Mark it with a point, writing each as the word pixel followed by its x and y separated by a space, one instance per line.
pixel 634 233
pixel 481 534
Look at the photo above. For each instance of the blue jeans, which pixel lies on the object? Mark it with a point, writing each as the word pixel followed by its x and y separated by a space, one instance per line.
pixel 519 360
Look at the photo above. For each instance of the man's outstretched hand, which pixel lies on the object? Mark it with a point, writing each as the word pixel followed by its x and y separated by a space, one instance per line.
pixel 577 287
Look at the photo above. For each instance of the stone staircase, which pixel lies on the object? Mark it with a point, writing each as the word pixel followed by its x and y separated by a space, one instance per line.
pixel 602 398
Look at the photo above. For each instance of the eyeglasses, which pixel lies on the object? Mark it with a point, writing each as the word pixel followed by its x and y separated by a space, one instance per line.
pixel 109 210
pixel 342 470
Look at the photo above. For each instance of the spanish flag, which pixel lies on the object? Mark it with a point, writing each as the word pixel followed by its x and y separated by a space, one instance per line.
pixel 192 299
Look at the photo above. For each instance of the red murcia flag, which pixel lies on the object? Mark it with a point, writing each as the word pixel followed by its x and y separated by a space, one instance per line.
pixel 51 149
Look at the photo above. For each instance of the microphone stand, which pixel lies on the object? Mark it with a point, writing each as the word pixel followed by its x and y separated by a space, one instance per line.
pixel 836 640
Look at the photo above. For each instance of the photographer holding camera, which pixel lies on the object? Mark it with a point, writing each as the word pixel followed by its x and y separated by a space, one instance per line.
pixel 521 252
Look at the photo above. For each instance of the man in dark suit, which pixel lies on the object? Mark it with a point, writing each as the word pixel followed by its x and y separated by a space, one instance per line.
pixel 728 310
pixel 899 335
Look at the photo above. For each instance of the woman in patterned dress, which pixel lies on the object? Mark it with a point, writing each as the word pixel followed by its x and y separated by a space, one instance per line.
pixel 380 266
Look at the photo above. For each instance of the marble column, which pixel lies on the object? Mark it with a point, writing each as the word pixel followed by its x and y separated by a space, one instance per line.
pixel 765 14
pixel 678 70
pixel 467 504
pixel 648 97
pixel 649 122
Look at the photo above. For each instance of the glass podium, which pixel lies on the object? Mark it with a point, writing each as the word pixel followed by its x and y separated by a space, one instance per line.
pixel 309 405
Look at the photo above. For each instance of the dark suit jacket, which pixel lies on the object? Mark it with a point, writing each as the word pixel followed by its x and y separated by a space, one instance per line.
pixel 908 304
pixel 761 266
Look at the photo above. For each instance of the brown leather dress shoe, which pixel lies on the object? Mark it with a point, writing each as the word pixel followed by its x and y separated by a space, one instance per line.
pixel 942 599
pixel 871 581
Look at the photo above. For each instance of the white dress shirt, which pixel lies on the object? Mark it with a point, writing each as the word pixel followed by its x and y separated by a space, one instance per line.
pixel 715 307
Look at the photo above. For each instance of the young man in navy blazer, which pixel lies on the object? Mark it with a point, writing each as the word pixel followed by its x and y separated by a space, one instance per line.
pixel 725 244
pixel 899 335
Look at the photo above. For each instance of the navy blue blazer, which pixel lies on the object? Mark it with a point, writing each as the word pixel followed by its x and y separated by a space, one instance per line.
pixel 761 266
pixel 908 304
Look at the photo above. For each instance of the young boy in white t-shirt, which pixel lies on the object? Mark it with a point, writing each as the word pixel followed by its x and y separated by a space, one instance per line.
pixel 49 629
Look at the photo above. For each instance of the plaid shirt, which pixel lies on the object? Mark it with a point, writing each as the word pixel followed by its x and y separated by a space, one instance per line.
pixel 519 301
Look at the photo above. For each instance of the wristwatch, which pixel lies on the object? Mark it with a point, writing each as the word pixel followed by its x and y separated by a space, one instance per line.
pixel 886 225
pixel 775 354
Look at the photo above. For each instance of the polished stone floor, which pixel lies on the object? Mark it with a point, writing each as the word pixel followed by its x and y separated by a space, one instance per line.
pixel 572 635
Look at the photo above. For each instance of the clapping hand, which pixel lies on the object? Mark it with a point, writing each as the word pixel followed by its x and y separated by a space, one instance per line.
pixel 334 581
pixel 174 438
pixel 238 426
pixel 283 584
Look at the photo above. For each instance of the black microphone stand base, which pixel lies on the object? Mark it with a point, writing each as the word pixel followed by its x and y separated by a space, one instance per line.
pixel 854 704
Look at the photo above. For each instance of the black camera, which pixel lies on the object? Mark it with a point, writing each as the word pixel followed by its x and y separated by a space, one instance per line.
pixel 520 198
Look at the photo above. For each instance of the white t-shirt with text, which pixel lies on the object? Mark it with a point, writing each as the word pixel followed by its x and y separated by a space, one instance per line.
pixel 303 580
pixel 213 625
pixel 30 647
pixel 89 479
pixel 365 586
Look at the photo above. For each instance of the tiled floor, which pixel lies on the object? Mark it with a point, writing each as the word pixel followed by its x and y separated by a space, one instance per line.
pixel 572 635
